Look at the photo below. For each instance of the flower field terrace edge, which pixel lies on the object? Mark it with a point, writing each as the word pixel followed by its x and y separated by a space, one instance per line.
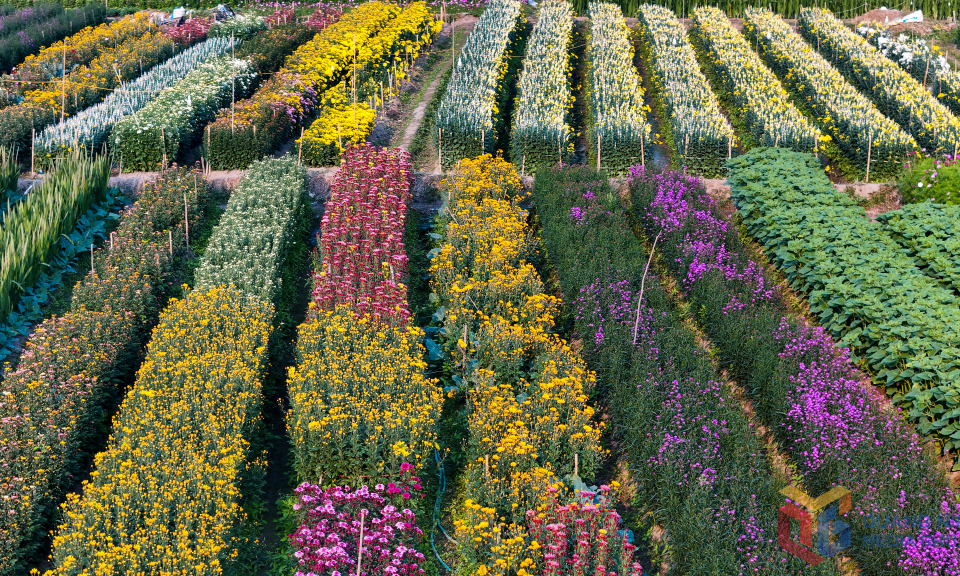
pixel 53 398
pixel 699 133
pixel 835 428
pixel 693 454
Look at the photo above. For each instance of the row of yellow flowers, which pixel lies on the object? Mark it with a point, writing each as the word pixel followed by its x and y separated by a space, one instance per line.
pixel 753 90
pixel 165 496
pixel 851 120
pixel 52 61
pixel 898 94
pixel 294 93
pixel 384 61
pixel 698 132
pixel 529 421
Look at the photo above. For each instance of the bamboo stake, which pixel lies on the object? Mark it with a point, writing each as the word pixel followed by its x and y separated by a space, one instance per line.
pixel 339 137
pixel 33 148
pixel 598 152
pixel 111 241
pixel 186 220
pixel 354 81
pixel 729 148
pixel 643 161
pixel 360 547
pixel 869 146
pixel 576 464
pixel 163 146
pixel 300 152
pixel 486 465
pixel 440 148
pixel 925 72
pixel 92 269
pixel 233 89
pixel 170 240
pixel 636 323
pixel 63 84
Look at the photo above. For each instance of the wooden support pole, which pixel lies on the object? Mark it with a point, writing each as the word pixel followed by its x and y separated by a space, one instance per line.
pixel 63 83
pixel 300 152
pixel 869 149
pixel 186 220
pixel 643 161
pixel 360 545
pixel 170 240
pixel 598 151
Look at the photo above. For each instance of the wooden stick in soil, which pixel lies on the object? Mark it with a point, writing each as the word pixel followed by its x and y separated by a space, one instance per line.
pixel 643 161
pixel 300 152
pixel 33 148
pixel 869 147
pixel 360 546
pixel 92 269
pixel 63 84
pixel 170 240
pixel 186 220
pixel 636 323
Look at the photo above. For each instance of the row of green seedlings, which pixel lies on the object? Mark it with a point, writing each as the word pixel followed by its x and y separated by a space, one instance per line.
pixel 180 472
pixel 55 399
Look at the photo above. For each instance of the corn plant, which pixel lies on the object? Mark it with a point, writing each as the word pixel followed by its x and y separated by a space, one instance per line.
pixel 700 136
pixel 618 134
pixel 861 132
pixel 142 141
pixel 541 135
pixel 91 128
pixel 248 246
pixel 897 95
pixel 468 116
pixel 754 92
pixel 32 229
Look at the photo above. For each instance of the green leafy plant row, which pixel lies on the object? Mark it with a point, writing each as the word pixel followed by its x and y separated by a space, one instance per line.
pixel 32 230
pixel 468 117
pixel 541 134
pixel 756 94
pixel 617 128
pixel 898 95
pixel 931 233
pixel 849 118
pixel 74 364
pixel 175 117
pixel 702 138
pixel 866 291
pixel 248 246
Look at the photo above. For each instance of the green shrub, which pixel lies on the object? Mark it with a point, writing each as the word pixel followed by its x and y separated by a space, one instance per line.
pixel 930 178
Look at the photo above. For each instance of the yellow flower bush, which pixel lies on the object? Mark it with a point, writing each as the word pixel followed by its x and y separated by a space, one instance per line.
pixel 165 494
pixel 526 390
pixel 359 401
pixel 340 122
pixel 897 94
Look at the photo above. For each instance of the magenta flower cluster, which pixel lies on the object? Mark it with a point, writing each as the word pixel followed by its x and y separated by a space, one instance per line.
pixel 934 549
pixel 328 542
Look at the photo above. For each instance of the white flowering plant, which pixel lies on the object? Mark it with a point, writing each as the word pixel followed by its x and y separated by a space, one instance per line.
pixel 91 128
pixel 754 92
pixel 541 135
pixel 851 120
pixel 173 119
pixel 617 127
pixel 896 93
pixel 700 135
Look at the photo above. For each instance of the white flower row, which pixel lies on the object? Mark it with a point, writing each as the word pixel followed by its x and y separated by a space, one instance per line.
pixel 615 89
pixel 241 26
pixel 752 88
pixel 248 246
pixel 701 132
pixel 897 94
pixel 91 128
pixel 544 97
pixel 469 104
pixel 849 117
pixel 923 62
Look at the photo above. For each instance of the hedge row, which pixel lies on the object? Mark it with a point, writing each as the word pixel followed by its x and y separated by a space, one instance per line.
pixel 468 118
pixel 697 131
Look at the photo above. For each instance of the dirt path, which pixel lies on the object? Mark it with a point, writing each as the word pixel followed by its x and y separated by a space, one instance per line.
pixel 417 117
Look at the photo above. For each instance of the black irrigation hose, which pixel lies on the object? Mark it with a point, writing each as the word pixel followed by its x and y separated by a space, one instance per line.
pixel 436 508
